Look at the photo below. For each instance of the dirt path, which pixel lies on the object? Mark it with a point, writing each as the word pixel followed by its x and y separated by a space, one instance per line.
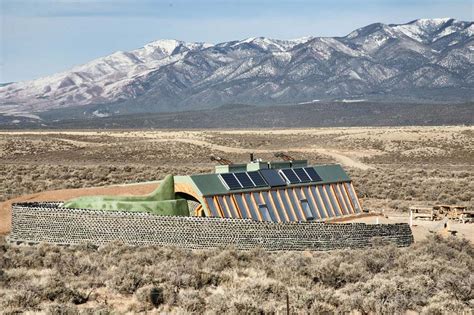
pixel 335 154
pixel 195 138
pixel 420 228
pixel 344 159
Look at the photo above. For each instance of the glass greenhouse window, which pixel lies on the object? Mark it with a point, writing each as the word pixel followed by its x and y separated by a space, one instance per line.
pixel 279 206
pixel 306 210
pixel 346 198
pixel 224 208
pixel 306 194
pixel 230 203
pixel 296 206
pixel 319 202
pixel 286 204
pixel 333 200
pixel 328 206
pixel 253 210
pixel 212 207
pixel 340 199
pixel 241 205
pixel 270 207
pixel 264 212
pixel 353 198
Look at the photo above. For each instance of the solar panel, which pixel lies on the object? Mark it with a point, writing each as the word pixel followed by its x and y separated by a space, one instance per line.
pixel 290 176
pixel 230 181
pixel 313 174
pixel 272 177
pixel 245 180
pixel 302 175
pixel 257 179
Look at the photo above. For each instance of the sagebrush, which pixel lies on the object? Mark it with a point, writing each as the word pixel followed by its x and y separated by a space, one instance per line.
pixel 435 276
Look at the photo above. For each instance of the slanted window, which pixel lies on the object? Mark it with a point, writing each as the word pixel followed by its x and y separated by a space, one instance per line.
pixel 332 199
pixel 250 203
pixel 319 203
pixel 212 207
pixel 286 204
pixel 267 201
pixel 306 209
pixel 241 205
pixel 353 196
pixel 264 212
pixel 327 205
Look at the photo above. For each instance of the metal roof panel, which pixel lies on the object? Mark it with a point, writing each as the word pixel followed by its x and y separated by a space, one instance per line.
pixel 210 184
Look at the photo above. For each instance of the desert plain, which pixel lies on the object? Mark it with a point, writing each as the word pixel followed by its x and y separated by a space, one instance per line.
pixel 392 168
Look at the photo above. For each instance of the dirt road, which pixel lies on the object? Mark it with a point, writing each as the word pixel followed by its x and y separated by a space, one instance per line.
pixel 335 154
pixel 197 138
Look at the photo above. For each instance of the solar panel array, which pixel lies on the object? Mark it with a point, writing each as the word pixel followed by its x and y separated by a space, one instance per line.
pixel 242 180
pixel 290 176
pixel 300 175
pixel 269 177
pixel 313 174
pixel 272 178
pixel 231 181
pixel 257 179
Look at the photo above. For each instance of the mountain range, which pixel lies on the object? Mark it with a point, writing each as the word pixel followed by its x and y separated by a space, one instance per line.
pixel 426 60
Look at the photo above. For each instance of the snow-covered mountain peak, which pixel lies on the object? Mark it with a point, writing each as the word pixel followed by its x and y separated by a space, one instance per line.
pixel 165 45
pixel 369 30
pixel 371 37
pixel 375 59
pixel 469 31
pixel 270 44
pixel 436 22
pixel 163 48
pixel 301 40
pixel 428 30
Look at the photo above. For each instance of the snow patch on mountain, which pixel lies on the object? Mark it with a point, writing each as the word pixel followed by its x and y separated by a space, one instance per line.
pixel 377 58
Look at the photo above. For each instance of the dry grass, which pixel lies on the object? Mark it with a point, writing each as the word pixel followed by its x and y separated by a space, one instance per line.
pixel 432 277
pixel 409 166
pixel 413 164
pixel 24 179
pixel 398 188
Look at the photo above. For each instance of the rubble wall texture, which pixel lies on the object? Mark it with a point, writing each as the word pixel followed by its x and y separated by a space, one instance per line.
pixel 47 222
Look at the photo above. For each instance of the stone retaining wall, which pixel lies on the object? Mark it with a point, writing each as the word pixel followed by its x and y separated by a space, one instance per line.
pixel 47 222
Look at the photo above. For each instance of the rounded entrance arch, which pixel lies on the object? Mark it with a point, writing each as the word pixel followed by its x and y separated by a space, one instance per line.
pixel 195 207
pixel 186 191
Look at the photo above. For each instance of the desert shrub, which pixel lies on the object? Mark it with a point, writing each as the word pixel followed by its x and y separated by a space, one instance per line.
pixel 192 301
pixel 390 295
pixel 126 278
pixel 428 277
pixel 404 184
pixel 206 278
pixel 442 303
pixel 460 284
pixel 149 297
pixel 58 291
pixel 222 261
pixel 62 309
pixel 26 298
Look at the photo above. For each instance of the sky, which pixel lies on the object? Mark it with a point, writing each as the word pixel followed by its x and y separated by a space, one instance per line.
pixel 42 37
